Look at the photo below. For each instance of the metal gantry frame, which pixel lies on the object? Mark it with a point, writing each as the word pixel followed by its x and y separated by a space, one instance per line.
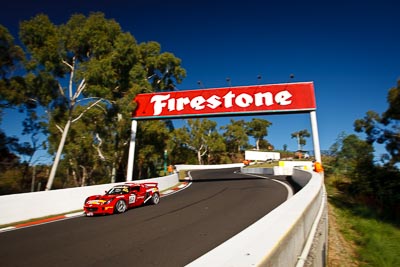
pixel 132 144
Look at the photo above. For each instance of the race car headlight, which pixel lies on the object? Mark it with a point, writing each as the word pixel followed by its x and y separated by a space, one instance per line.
pixel 108 201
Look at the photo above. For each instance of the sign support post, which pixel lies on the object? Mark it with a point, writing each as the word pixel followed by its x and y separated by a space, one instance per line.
pixel 314 129
pixel 131 156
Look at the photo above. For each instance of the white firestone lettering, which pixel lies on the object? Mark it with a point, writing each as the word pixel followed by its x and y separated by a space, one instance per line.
pixel 228 99
pixel 267 97
pixel 181 102
pixel 171 104
pixel 199 102
pixel 158 105
pixel 244 100
pixel 283 98
pixel 213 102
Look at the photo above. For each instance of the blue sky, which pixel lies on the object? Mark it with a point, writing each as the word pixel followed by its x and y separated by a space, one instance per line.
pixel 349 49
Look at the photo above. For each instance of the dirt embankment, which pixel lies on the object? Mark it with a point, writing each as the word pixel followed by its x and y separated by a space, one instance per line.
pixel 341 253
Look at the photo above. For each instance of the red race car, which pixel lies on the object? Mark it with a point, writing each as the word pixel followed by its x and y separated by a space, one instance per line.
pixel 122 197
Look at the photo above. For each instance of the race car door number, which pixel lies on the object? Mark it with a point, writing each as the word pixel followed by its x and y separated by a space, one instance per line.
pixel 132 199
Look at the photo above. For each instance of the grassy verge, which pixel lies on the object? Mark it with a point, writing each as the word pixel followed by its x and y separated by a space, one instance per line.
pixel 377 242
pixel 38 219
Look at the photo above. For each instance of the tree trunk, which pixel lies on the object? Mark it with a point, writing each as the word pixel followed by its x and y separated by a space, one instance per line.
pixel 84 175
pixel 199 157
pixel 113 172
pixel 58 155
pixel 33 178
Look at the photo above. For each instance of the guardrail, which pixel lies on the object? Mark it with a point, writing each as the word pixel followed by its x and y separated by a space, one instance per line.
pixel 26 206
pixel 180 167
pixel 294 234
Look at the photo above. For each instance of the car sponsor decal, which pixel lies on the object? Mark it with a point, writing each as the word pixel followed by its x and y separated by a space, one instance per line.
pixel 132 198
pixel 96 202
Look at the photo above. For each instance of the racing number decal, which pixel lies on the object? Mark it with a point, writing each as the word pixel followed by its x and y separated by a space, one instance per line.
pixel 132 198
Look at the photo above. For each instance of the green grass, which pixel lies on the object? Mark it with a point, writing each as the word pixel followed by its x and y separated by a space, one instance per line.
pixel 263 165
pixel 377 241
pixel 38 219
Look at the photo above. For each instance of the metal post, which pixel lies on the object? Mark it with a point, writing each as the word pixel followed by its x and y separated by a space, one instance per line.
pixel 165 161
pixel 131 156
pixel 314 129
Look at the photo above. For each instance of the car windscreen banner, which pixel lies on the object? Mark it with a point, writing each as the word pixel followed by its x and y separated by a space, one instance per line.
pixel 227 101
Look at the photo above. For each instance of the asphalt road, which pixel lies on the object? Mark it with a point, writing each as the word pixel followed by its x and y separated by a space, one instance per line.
pixel 184 226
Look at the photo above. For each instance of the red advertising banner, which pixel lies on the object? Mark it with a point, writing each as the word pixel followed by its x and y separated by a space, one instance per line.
pixel 227 101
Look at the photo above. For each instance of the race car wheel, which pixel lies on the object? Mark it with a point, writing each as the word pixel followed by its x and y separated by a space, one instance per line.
pixel 155 199
pixel 120 207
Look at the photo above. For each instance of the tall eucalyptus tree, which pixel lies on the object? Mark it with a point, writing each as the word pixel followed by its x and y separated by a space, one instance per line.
pixel 89 62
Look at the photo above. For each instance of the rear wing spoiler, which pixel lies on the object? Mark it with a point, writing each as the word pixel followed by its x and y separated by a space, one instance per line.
pixel 150 185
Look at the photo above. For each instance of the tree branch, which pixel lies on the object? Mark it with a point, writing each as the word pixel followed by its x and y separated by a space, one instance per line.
pixel 59 128
pixel 68 65
pixel 61 90
pixel 80 89
pixel 101 156
pixel 87 109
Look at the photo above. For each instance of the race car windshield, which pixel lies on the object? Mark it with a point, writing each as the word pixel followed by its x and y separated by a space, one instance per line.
pixel 118 190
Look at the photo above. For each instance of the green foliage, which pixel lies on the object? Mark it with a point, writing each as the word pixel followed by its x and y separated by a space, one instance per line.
pixel 258 128
pixel 384 129
pixel 377 240
pixel 201 137
pixel 151 144
pixel 350 152
pixel 300 136
pixel 10 57
pixel 10 54
pixel 85 73
pixel 235 135
pixel 10 181
pixel 376 186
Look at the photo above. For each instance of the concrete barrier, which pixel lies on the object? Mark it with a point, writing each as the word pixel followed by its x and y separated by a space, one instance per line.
pixel 294 234
pixel 265 171
pixel 26 206
pixel 180 167
pixel 282 237
pixel 284 168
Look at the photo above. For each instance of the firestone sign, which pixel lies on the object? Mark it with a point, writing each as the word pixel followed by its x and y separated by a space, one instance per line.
pixel 229 101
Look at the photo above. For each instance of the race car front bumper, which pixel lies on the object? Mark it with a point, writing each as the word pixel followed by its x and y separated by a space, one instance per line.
pixel 91 210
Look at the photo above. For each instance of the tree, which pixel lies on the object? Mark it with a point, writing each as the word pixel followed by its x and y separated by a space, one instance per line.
pixel 258 128
pixel 10 57
pixel 151 145
pixel 265 144
pixel 14 173
pixel 300 136
pixel 384 129
pixel 349 151
pixel 201 137
pixel 235 135
pixel 89 62
pixel 373 185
